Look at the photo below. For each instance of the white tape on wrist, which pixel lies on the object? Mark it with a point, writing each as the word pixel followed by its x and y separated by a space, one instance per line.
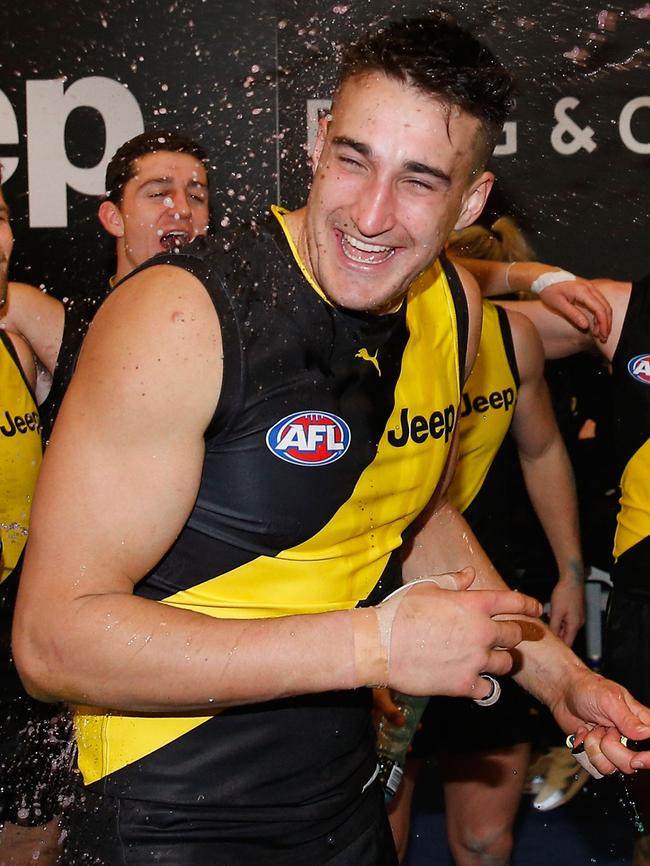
pixel 549 278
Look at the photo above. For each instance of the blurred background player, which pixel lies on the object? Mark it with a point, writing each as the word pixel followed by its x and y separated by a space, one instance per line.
pixel 156 201
pixel 483 754
pixel 625 346
pixel 32 734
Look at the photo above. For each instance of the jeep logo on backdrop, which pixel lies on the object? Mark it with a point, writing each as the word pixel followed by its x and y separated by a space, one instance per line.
pixel 49 170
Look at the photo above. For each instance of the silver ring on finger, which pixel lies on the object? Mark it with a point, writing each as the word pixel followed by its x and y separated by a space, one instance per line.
pixel 492 696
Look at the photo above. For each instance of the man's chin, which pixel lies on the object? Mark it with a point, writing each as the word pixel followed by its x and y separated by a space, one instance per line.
pixel 365 304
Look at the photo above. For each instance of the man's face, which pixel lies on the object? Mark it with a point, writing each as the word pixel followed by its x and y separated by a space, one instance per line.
pixel 6 246
pixel 394 173
pixel 164 205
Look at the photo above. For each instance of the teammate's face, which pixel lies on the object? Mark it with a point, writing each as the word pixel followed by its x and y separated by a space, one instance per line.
pixel 6 246
pixel 394 172
pixel 164 205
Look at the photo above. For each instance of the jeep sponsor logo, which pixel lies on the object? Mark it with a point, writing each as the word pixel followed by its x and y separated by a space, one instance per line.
pixel 13 424
pixel 639 368
pixel 419 428
pixel 309 438
pixel 483 402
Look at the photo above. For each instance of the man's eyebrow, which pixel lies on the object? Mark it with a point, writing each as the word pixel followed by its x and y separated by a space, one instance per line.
pixel 423 168
pixel 165 179
pixel 359 146
pixel 4 209
pixel 410 165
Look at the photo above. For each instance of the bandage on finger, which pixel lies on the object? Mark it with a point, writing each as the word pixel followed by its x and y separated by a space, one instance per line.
pixel 580 755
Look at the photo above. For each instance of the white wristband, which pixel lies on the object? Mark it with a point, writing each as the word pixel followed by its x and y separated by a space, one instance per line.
pixel 550 278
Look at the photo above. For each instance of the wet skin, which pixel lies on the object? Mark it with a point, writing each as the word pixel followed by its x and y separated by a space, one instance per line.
pixel 6 246
pixel 163 206
pixel 394 172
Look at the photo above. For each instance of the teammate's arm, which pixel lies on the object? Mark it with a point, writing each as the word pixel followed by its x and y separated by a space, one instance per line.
pixel 38 318
pixel 545 666
pixel 119 480
pixel 577 299
pixel 548 477
pixel 559 337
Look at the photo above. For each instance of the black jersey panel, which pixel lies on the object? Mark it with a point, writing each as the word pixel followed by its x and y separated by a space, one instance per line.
pixel 631 371
pixel 265 759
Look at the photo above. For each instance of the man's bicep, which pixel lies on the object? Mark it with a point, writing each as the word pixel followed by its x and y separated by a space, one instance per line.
pixel 38 317
pixel 123 467
pixel 559 337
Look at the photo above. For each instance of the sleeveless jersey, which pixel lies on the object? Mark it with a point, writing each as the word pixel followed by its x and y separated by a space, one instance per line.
pixel 329 438
pixel 486 410
pixel 20 454
pixel 631 372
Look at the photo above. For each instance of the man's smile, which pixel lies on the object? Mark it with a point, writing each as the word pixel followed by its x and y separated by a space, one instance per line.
pixel 363 252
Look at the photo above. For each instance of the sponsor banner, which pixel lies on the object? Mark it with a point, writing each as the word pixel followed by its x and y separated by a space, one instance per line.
pixel 248 81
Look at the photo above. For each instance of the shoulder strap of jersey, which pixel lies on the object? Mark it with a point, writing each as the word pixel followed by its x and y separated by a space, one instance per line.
pixel 11 351
pixel 462 313
pixel 508 345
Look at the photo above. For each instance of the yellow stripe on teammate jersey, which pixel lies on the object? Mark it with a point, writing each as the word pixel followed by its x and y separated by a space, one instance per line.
pixel 632 522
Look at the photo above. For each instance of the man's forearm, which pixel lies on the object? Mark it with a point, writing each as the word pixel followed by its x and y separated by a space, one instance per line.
pixel 558 510
pixel 119 650
pixel 500 278
pixel 445 542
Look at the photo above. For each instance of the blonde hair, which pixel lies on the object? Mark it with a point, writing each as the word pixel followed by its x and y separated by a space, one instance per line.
pixel 502 242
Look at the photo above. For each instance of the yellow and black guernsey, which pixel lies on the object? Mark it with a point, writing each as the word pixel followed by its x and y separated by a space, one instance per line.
pixel 20 455
pixel 20 462
pixel 486 411
pixel 631 394
pixel 329 438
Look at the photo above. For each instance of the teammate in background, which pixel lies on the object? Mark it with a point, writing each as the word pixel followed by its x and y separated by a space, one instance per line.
pixel 29 806
pixel 483 755
pixel 156 201
pixel 627 348
pixel 245 442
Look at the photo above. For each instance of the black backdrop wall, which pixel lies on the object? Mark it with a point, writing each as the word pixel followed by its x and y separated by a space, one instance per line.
pixel 78 77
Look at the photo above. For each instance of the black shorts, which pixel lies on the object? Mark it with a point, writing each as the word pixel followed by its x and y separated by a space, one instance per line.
pixel 626 645
pixel 107 831
pixel 461 725
pixel 35 761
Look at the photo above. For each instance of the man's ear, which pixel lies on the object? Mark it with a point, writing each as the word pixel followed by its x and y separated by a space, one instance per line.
pixel 111 219
pixel 323 124
pixel 474 200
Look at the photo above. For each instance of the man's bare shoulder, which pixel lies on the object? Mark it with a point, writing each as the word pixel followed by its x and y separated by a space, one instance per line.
pixel 38 317
pixel 157 333
pixel 618 295
pixel 37 297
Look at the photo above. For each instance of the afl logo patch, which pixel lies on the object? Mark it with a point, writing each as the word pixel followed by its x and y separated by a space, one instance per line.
pixel 639 368
pixel 309 438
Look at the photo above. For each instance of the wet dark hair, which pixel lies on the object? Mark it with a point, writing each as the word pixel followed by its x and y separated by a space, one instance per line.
pixel 441 59
pixel 121 168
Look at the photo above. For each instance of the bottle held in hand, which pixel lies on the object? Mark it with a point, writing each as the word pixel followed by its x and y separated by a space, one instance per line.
pixel 394 740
